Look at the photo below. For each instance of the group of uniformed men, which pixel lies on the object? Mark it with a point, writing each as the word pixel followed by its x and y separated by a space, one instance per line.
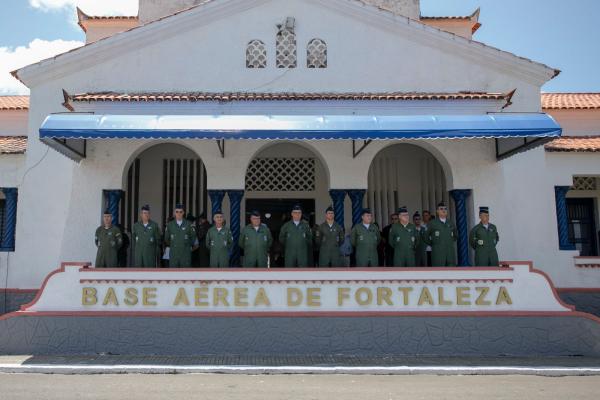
pixel 423 243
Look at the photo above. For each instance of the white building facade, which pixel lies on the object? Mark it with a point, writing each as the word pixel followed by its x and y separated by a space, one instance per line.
pixel 234 59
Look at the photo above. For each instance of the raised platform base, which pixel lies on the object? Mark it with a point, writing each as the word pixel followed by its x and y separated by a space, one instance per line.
pixel 369 336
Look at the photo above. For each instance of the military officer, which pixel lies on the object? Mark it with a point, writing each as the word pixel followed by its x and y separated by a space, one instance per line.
pixel 146 239
pixel 426 215
pixel 405 238
pixel 365 238
pixel 421 249
pixel 296 237
pixel 219 242
pixel 441 236
pixel 180 236
pixel 255 240
pixel 329 236
pixel 483 239
pixel 108 240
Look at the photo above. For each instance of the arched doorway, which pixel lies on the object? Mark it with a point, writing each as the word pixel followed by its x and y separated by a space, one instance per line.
pixel 405 175
pixel 162 176
pixel 279 176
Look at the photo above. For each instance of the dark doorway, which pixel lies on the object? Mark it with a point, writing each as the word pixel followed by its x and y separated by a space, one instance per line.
pixel 276 212
pixel 582 225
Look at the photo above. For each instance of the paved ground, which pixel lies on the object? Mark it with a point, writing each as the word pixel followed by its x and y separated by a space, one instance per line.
pixel 280 387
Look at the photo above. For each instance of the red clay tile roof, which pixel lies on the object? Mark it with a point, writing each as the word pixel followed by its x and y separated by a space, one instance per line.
pixel 571 101
pixel 473 17
pixel 82 17
pixel 13 144
pixel 14 103
pixel 587 144
pixel 245 96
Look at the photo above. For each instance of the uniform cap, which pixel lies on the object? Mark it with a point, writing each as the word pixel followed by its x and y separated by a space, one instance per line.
pixel 218 212
pixel 297 207
pixel 416 214
pixel 107 212
pixel 484 210
pixel 403 210
pixel 146 207
pixel 365 211
pixel 255 213
pixel 179 206
pixel 329 209
pixel 441 205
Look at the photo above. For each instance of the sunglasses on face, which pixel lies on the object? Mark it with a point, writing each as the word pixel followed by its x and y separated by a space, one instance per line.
pixel 178 212
pixel 443 209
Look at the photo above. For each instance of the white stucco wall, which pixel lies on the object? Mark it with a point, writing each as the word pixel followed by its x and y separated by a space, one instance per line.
pixel 60 200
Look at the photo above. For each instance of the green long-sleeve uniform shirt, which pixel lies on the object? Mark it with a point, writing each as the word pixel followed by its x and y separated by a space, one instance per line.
pixel 256 245
pixel 296 240
pixel 442 237
pixel 328 240
pixel 108 241
pixel 365 241
pixel 219 244
pixel 146 242
pixel 421 249
pixel 180 239
pixel 484 240
pixel 404 240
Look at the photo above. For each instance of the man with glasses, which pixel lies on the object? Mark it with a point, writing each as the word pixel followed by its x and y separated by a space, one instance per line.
pixel 483 239
pixel 180 235
pixel 441 236
pixel 109 240
pixel 421 249
pixel 296 236
pixel 146 240
pixel 255 240
pixel 219 242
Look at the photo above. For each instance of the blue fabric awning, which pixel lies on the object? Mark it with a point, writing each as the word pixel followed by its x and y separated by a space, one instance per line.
pixel 297 127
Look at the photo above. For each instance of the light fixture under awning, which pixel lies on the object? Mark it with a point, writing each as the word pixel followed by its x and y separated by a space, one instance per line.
pixel 297 127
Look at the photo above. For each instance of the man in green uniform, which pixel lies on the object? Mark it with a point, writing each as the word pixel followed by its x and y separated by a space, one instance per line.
pixel 108 240
pixel 329 236
pixel 484 238
pixel 421 249
pixel 365 238
pixel 219 242
pixel 255 240
pixel 405 238
pixel 180 236
pixel 295 236
pixel 146 239
pixel 441 236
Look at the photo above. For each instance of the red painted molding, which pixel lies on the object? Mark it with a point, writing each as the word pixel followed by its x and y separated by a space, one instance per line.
pixel 286 270
pixel 14 290
pixel 317 314
pixel 578 290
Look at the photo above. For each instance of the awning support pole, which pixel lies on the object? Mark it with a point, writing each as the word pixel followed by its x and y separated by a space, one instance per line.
pixel 355 152
pixel 221 144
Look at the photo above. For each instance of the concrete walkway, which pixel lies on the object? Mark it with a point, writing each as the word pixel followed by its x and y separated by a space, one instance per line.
pixel 111 364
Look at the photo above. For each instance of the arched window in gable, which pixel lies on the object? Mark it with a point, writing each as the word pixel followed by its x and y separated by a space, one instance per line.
pixel 286 49
pixel 256 54
pixel 316 54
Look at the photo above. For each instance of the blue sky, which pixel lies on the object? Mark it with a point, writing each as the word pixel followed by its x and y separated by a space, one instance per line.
pixel 563 34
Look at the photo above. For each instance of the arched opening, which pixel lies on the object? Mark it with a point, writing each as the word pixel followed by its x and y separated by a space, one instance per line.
pixel 162 176
pixel 280 176
pixel 405 175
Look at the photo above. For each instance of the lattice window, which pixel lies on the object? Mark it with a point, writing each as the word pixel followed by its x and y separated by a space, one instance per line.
pixel 256 54
pixel 585 183
pixel 316 54
pixel 281 175
pixel 286 49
